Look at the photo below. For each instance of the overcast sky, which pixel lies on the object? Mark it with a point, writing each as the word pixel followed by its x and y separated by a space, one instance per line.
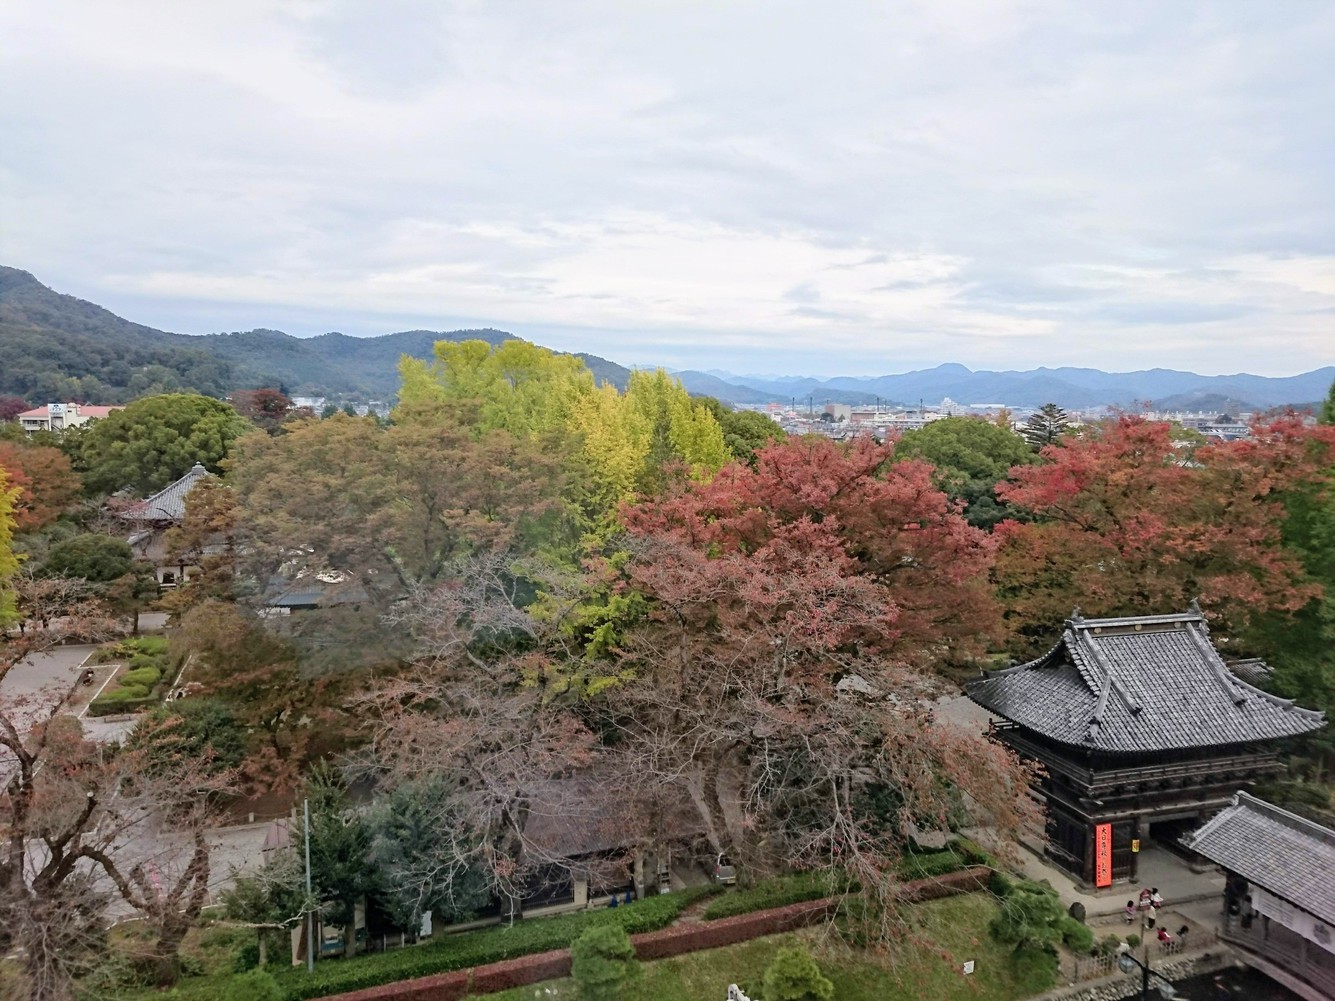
pixel 806 188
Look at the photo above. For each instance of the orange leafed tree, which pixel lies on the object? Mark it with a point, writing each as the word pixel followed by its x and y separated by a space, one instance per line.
pixel 48 484
pixel 1125 521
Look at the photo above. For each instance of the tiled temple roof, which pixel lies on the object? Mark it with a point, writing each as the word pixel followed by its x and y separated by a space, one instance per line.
pixel 1139 684
pixel 168 504
pixel 1290 856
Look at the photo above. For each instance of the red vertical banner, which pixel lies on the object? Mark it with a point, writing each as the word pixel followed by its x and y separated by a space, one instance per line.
pixel 1103 855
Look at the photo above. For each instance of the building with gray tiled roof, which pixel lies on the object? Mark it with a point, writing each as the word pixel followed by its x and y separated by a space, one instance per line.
pixel 1279 899
pixel 1140 726
pixel 168 504
pixel 154 516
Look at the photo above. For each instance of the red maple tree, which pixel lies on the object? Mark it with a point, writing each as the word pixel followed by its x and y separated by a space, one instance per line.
pixel 1128 520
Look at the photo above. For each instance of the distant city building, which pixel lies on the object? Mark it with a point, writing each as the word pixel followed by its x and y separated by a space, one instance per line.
pixel 58 416
pixel 839 411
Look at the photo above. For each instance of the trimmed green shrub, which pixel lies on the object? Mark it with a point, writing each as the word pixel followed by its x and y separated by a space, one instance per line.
pixel 794 976
pixel 155 646
pixel 1076 936
pixel 254 985
pixel 145 677
pixel 602 962
pixel 1133 941
pixel 778 892
pixel 921 865
pixel 124 693
pixel 111 707
pixel 490 945
pixel 1108 945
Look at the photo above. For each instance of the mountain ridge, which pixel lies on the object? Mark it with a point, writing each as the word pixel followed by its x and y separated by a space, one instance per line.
pixel 58 347
pixel 55 347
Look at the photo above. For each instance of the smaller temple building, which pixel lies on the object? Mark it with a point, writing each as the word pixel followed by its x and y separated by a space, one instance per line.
pixel 1279 899
pixel 152 517
pixel 1142 731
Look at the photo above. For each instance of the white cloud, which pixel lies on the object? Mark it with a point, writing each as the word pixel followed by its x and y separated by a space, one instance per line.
pixel 849 187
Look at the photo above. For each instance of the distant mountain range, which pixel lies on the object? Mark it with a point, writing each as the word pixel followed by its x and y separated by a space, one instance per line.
pixel 1074 388
pixel 56 347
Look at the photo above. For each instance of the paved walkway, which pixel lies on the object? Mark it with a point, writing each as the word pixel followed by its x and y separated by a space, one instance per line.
pixel 1177 882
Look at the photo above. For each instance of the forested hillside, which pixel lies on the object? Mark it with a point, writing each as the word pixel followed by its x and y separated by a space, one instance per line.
pixel 58 347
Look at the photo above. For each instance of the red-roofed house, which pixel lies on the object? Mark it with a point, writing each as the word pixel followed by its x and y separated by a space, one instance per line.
pixel 58 416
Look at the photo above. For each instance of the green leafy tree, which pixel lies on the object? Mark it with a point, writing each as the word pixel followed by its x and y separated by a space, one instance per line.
pixel 422 843
pixel 516 386
pixel 132 593
pixel 1046 426
pixel 340 843
pixel 1301 647
pixel 203 730
pixel 745 432
pixel 971 457
pixel 794 976
pixel 155 441
pixel 602 963
pixel 98 559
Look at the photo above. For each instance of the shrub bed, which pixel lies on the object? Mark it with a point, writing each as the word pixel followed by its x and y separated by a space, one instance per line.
pixel 917 865
pixel 767 893
pixel 492 945
pixel 137 687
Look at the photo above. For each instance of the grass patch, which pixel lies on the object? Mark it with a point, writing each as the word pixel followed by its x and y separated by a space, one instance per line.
pixel 916 971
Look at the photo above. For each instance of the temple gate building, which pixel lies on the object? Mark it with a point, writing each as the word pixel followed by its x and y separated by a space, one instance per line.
pixel 1143 731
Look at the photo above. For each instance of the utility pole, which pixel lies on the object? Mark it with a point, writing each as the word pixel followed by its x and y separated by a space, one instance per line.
pixel 310 915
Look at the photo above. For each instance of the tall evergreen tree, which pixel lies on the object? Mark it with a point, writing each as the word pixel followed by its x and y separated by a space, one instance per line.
pixel 1046 426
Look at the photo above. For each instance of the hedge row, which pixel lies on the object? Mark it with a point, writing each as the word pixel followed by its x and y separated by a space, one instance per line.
pixel 768 893
pixel 480 948
pixel 111 706
pixel 784 890
pixel 974 853
pixel 918 865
